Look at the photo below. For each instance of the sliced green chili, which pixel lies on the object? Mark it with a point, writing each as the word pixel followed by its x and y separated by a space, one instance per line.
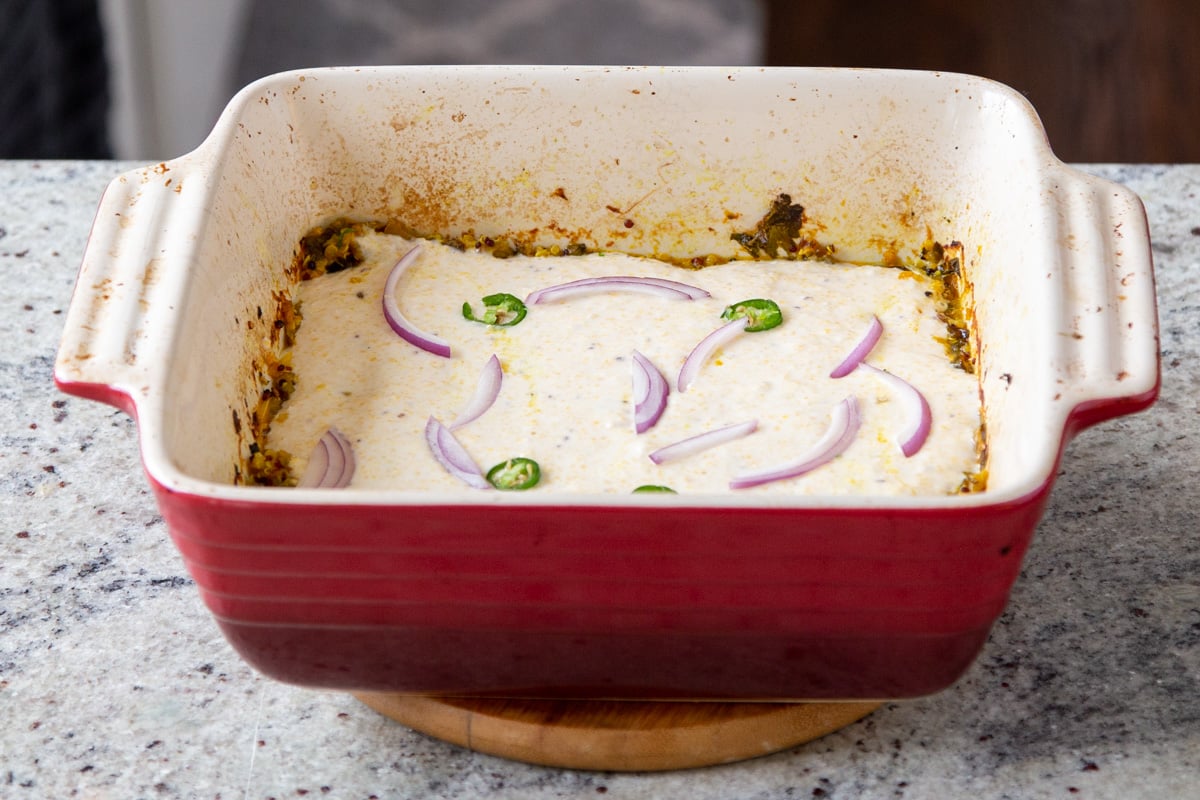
pixel 515 474
pixel 763 314
pixel 651 488
pixel 498 309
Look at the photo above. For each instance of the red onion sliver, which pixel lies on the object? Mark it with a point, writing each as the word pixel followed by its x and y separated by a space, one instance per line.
pixel 486 392
pixel 332 463
pixel 650 392
pixel 395 318
pixel 918 420
pixel 703 441
pixel 318 466
pixel 843 425
pixel 707 346
pixel 661 287
pixel 450 453
pixel 861 350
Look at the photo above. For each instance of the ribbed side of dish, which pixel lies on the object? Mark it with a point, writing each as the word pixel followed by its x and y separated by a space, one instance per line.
pixel 771 603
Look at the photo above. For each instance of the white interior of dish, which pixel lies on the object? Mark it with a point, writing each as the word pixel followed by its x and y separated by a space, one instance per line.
pixel 876 157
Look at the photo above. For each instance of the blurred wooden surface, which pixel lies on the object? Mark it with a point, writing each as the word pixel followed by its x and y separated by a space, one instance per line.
pixel 1113 80
pixel 615 735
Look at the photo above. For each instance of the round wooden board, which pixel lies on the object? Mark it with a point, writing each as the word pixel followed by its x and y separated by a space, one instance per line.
pixel 616 735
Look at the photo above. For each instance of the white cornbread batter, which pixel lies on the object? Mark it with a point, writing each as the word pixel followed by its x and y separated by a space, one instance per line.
pixel 566 398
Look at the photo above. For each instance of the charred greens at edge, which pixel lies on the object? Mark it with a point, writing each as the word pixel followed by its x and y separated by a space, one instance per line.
pixel 943 265
pixel 330 248
pixel 273 372
pixel 780 234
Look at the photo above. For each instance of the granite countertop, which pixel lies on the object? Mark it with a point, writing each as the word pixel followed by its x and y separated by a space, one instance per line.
pixel 115 682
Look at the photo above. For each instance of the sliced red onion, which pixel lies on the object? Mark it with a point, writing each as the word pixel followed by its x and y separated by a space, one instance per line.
pixel 918 417
pixel 650 392
pixel 843 425
pixel 391 310
pixel 486 392
pixel 703 441
pixel 865 344
pixel 661 287
pixel 707 346
pixel 450 453
pixel 332 463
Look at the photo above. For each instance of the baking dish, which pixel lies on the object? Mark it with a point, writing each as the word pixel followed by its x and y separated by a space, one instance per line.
pixel 700 597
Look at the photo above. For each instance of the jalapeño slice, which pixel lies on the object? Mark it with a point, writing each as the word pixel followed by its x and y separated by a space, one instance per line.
pixel 498 309
pixel 515 474
pixel 762 314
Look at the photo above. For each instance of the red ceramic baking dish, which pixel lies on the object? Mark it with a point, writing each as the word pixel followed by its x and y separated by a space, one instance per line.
pixel 722 596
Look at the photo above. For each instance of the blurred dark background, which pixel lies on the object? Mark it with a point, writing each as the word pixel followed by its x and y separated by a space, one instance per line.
pixel 1113 80
pixel 54 94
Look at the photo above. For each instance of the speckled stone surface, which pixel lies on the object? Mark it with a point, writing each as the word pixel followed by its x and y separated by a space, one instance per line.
pixel 115 683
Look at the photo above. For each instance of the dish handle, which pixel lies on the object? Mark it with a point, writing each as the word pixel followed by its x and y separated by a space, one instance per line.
pixel 1110 356
pixel 118 319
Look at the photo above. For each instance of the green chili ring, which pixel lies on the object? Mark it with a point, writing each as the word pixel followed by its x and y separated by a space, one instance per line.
pixel 762 314
pixel 498 309
pixel 650 488
pixel 515 474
